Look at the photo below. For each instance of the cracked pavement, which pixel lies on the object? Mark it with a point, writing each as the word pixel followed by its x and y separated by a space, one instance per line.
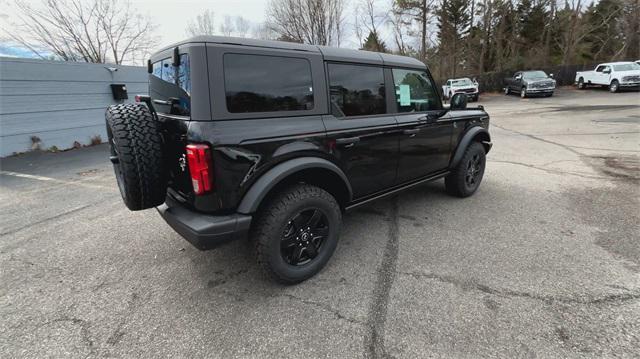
pixel 543 261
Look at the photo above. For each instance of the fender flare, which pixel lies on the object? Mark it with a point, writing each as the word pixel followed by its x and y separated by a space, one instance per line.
pixel 467 138
pixel 258 191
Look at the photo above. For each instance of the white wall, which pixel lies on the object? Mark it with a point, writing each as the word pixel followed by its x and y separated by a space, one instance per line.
pixel 59 102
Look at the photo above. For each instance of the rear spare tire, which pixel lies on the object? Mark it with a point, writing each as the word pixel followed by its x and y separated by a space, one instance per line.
pixel 136 151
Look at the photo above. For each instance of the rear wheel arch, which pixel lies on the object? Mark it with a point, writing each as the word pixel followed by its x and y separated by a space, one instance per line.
pixel 311 170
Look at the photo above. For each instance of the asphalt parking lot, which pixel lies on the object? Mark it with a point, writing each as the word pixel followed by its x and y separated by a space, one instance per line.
pixel 544 261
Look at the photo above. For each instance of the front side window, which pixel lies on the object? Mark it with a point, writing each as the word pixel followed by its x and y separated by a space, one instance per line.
pixel 356 90
pixel 257 83
pixel 414 91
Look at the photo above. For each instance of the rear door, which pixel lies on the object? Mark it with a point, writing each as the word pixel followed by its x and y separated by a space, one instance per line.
pixel 425 140
pixel 362 134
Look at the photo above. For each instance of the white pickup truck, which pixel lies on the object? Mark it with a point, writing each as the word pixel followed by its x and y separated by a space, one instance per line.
pixel 615 75
pixel 462 85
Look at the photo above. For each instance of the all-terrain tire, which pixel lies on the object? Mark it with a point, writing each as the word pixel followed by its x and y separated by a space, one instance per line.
pixel 137 154
pixel 457 183
pixel 271 225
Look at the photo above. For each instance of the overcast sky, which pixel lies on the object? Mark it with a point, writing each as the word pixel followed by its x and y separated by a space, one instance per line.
pixel 172 17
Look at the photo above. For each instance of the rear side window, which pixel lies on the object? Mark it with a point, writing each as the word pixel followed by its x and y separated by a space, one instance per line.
pixel 171 81
pixel 257 83
pixel 414 91
pixel 356 90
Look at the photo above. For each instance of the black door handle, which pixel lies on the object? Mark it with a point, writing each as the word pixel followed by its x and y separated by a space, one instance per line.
pixel 347 141
pixel 412 131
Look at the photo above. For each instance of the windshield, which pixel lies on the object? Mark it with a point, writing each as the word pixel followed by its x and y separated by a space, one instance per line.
pixel 530 75
pixel 461 82
pixel 626 67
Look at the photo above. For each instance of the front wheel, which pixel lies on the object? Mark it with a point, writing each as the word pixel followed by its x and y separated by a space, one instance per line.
pixel 523 92
pixel 465 178
pixel 614 86
pixel 296 233
pixel 506 90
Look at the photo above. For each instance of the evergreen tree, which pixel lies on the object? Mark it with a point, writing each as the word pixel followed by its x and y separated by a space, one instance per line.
pixel 454 24
pixel 373 43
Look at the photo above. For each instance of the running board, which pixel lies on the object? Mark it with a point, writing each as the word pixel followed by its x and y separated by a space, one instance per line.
pixel 395 190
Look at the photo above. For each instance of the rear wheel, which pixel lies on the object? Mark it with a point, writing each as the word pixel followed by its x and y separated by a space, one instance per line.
pixel 296 233
pixel 465 179
pixel 506 90
pixel 614 86
pixel 136 151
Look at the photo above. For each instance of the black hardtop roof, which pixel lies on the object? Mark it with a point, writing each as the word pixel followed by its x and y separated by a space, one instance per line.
pixel 329 53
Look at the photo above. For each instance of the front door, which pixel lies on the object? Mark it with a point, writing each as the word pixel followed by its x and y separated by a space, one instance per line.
pixel 425 140
pixel 359 131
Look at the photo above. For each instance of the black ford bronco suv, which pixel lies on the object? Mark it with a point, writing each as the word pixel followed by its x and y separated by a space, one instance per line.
pixel 272 141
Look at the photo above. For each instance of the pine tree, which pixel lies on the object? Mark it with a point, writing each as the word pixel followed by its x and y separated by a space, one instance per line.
pixel 373 43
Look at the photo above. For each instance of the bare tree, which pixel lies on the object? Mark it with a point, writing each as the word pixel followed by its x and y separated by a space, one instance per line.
pixel 398 25
pixel 307 21
pixel 203 24
pixel 226 28
pixel 92 31
pixel 242 26
pixel 263 31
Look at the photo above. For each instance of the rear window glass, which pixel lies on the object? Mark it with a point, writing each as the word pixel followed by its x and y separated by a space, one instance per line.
pixel 626 67
pixel 257 83
pixel 356 90
pixel 171 81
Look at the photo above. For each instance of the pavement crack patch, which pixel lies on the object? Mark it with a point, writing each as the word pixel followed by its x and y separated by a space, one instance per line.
pixel 552 170
pixel 118 333
pixel 323 307
pixel 471 284
pixel 566 147
pixel 386 273
pixel 48 219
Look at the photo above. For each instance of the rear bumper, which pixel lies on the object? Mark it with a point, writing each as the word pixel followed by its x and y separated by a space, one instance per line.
pixel 202 230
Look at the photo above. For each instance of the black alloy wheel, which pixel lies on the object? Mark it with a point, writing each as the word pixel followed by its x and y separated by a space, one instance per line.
pixel 466 177
pixel 474 167
pixel 304 236
pixel 296 232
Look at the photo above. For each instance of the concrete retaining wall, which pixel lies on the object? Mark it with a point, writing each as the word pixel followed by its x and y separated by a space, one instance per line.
pixel 58 102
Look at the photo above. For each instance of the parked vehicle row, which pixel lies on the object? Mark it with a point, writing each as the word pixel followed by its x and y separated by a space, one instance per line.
pixel 615 75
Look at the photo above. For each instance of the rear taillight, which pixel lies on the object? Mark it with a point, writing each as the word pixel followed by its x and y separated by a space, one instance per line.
pixel 200 167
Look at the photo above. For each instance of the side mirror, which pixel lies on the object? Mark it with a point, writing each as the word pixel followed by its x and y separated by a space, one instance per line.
pixel 459 101
pixel 551 75
pixel 519 77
